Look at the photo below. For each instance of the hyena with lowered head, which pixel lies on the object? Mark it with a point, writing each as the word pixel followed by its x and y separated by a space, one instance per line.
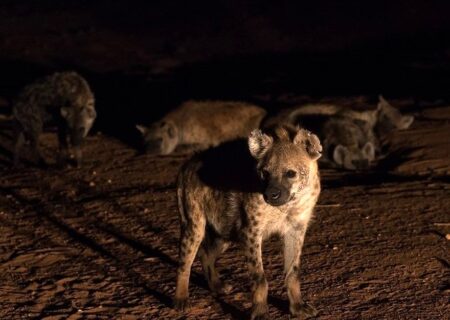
pixel 347 136
pixel 348 143
pixel 244 192
pixel 201 124
pixel 351 139
pixel 63 99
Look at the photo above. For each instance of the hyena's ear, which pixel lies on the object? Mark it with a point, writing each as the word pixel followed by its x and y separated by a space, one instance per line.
pixel 405 122
pixel 66 113
pixel 393 115
pixel 259 143
pixel 310 142
pixel 170 128
pixel 382 103
pixel 369 151
pixel 339 154
pixel 142 129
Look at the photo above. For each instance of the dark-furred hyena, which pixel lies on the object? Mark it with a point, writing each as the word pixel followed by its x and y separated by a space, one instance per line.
pixel 351 139
pixel 63 99
pixel 245 191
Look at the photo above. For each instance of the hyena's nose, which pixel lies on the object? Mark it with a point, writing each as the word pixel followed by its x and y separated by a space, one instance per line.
pixel 273 193
pixel 361 164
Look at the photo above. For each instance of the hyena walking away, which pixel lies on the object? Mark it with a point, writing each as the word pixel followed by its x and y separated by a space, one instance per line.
pixel 63 99
pixel 245 192
pixel 201 124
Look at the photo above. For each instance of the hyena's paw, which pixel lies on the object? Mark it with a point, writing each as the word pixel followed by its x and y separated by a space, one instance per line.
pixel 181 304
pixel 302 310
pixel 259 312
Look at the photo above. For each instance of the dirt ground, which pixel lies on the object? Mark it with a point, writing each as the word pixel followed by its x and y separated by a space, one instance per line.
pixel 100 242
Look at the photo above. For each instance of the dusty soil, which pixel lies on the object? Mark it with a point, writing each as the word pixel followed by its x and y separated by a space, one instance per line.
pixel 100 242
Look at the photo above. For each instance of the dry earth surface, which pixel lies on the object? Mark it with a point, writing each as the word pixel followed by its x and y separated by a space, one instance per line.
pixel 100 242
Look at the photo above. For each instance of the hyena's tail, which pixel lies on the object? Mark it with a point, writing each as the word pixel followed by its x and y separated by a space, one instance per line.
pixel 312 110
pixel 181 198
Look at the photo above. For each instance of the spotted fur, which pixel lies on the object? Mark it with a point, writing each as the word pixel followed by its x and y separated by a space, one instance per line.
pixel 351 138
pixel 63 99
pixel 201 124
pixel 244 192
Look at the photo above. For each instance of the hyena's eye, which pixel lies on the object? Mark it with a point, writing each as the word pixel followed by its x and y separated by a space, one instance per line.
pixel 265 174
pixel 91 113
pixel 290 174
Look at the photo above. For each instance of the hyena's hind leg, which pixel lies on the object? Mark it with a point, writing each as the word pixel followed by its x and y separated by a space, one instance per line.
pixel 36 149
pixel 18 146
pixel 209 252
pixel 192 234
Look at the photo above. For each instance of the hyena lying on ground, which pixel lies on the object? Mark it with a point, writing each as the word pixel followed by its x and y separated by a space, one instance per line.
pixel 245 193
pixel 201 124
pixel 351 139
pixel 63 99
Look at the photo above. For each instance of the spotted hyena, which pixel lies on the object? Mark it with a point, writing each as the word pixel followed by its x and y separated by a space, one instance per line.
pixel 349 143
pixel 244 192
pixel 201 124
pixel 63 99
pixel 351 139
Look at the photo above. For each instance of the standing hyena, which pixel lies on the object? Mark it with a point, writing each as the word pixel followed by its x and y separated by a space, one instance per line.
pixel 63 99
pixel 230 194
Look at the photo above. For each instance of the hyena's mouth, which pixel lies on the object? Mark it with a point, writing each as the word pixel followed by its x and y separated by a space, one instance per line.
pixel 153 148
pixel 278 201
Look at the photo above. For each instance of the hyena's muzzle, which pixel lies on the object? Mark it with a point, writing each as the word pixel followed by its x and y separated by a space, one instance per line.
pixel 277 193
pixel 153 146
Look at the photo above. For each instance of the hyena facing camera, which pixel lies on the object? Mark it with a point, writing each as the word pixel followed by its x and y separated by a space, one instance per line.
pixel 244 192
pixel 63 99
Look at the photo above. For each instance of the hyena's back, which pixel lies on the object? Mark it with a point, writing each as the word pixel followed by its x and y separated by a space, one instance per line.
pixel 213 122
pixel 62 99
pixel 42 99
pixel 210 184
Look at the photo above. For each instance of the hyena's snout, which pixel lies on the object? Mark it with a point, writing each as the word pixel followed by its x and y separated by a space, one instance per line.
pixel 82 131
pixel 361 163
pixel 276 194
pixel 153 146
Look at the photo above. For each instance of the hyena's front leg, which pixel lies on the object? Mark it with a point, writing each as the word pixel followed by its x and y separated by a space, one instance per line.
pixel 293 242
pixel 36 149
pixel 192 234
pixel 20 141
pixel 253 247
pixel 77 153
pixel 63 145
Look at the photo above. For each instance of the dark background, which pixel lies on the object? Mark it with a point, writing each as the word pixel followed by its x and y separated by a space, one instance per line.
pixel 144 57
pixel 101 241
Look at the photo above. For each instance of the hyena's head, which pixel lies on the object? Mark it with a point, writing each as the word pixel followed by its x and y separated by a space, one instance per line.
pixel 354 157
pixel 286 160
pixel 390 118
pixel 349 143
pixel 79 118
pixel 160 137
